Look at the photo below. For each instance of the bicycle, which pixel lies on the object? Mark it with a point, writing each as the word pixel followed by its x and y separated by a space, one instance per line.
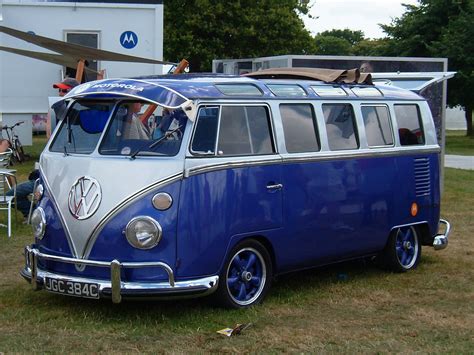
pixel 15 144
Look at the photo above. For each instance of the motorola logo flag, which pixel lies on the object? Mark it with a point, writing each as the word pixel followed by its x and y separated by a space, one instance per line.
pixel 128 39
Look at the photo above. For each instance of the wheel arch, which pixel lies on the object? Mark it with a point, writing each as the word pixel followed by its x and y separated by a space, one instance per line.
pixel 259 238
pixel 422 228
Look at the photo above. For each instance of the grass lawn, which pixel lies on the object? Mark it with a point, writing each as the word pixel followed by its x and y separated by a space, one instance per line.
pixel 457 143
pixel 428 310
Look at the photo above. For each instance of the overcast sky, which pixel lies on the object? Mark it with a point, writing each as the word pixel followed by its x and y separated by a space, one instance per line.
pixel 364 15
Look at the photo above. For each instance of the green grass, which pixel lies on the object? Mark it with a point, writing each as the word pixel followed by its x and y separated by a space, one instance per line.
pixel 428 310
pixel 34 151
pixel 457 143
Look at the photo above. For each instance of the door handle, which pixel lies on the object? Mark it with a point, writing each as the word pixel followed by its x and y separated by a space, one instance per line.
pixel 274 187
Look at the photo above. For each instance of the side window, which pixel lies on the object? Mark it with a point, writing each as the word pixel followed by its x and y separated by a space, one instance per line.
pixel 204 140
pixel 244 130
pixel 377 126
pixel 409 125
pixel 340 126
pixel 299 128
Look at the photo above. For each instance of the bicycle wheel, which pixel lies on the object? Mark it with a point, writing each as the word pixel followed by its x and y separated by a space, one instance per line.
pixel 20 150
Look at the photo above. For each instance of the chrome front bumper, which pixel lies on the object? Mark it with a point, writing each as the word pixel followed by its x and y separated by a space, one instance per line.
pixel 115 288
pixel 441 239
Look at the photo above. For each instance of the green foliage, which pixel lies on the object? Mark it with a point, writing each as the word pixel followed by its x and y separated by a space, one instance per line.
pixel 370 47
pixel 348 42
pixel 203 30
pixel 342 42
pixel 440 28
pixel 330 45
pixel 456 43
pixel 353 37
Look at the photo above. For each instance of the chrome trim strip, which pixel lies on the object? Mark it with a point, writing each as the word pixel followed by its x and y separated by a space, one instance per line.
pixel 123 204
pixel 216 144
pixel 441 239
pixel 227 165
pixel 408 225
pixel 373 153
pixel 116 286
pixel 308 157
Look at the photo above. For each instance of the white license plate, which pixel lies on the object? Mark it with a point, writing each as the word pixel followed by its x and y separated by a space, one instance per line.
pixel 72 288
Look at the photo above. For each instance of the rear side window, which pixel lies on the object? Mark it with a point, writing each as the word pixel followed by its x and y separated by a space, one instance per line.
pixel 409 125
pixel 299 128
pixel 377 126
pixel 340 126
pixel 244 130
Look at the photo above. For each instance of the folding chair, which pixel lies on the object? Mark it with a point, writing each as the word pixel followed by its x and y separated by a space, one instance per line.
pixel 7 183
pixel 5 158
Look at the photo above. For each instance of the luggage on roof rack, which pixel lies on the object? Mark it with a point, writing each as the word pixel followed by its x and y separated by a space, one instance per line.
pixel 352 76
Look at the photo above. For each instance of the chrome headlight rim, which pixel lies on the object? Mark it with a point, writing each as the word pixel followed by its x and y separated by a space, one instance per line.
pixel 129 231
pixel 38 229
pixel 39 191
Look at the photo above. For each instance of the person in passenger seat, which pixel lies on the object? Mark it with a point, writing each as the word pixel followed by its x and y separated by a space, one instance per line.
pixel 133 126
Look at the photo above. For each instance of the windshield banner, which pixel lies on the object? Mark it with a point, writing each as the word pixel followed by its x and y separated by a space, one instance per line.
pixel 157 93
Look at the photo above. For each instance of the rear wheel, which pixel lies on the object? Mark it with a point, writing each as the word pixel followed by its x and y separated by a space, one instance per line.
pixel 246 276
pixel 403 250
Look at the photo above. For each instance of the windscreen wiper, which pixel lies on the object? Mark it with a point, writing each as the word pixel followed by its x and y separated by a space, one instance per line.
pixel 155 143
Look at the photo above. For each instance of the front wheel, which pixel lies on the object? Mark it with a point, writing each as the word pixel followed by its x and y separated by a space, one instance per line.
pixel 403 250
pixel 246 276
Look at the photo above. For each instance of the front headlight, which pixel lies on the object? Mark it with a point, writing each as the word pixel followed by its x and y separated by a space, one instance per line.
pixel 38 193
pixel 38 223
pixel 143 232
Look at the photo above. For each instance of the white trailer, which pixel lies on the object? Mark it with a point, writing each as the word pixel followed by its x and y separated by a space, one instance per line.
pixel 25 84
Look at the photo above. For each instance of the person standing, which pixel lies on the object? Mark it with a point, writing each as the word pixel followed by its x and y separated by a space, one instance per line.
pixel 63 88
pixel 60 106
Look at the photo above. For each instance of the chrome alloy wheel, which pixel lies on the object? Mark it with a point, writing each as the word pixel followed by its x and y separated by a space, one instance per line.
pixel 407 246
pixel 246 276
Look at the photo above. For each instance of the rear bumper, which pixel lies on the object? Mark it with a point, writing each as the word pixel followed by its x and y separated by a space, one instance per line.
pixel 441 239
pixel 115 288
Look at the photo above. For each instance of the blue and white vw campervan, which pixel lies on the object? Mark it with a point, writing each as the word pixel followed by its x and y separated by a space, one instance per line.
pixel 185 185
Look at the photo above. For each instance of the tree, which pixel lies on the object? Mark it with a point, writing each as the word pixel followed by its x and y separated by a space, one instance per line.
pixel 338 42
pixel 330 45
pixel 440 28
pixel 370 47
pixel 203 30
pixel 457 44
pixel 353 37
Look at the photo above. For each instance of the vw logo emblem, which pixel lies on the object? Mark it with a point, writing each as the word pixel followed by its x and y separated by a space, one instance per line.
pixel 84 197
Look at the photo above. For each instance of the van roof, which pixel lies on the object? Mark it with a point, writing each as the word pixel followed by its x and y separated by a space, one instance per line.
pixel 206 85
pixel 173 91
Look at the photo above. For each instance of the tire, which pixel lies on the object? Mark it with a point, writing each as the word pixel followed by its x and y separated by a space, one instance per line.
pixel 403 250
pixel 246 276
pixel 19 152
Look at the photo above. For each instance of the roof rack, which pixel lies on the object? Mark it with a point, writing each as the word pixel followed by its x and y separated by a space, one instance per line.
pixel 352 76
